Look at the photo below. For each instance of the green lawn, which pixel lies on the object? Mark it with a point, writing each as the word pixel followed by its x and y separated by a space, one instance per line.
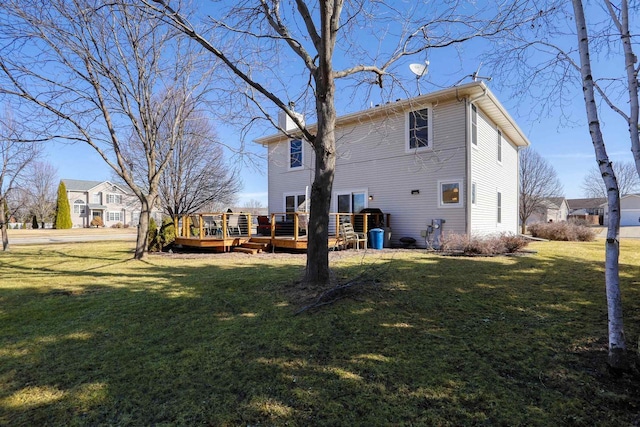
pixel 90 337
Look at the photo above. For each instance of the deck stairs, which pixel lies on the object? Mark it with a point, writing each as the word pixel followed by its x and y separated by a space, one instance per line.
pixel 251 247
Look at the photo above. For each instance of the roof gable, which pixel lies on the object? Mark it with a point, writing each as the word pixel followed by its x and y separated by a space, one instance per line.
pixel 477 92
pixel 86 186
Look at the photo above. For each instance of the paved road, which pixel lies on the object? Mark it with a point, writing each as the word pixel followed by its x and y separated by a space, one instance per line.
pixel 31 237
pixel 625 232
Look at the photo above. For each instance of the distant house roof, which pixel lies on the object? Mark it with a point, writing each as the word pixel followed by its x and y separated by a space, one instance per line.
pixel 83 185
pixel 80 185
pixel 593 203
pixel 555 202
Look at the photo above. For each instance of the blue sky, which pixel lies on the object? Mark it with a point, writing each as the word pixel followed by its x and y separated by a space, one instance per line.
pixel 566 146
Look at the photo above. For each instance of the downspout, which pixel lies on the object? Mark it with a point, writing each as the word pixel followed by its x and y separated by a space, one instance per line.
pixel 518 226
pixel 467 161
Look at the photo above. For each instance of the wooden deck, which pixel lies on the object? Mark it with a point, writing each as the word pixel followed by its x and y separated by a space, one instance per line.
pixel 223 232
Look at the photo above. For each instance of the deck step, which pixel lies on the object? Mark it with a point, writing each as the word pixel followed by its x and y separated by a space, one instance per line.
pixel 246 250
pixel 255 245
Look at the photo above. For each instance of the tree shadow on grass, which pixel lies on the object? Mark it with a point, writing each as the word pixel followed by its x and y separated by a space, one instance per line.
pixel 445 341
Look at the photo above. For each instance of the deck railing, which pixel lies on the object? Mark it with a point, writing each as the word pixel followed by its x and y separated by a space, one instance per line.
pixel 214 225
pixel 225 225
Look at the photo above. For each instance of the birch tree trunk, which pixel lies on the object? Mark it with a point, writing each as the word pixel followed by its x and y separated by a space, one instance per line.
pixel 617 348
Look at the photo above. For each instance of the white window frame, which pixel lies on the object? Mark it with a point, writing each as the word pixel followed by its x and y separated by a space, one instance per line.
pixel 429 146
pixel 499 207
pixel 500 142
pixel 114 216
pixel 96 198
pixel 351 193
pixel 474 193
pixel 297 195
pixel 115 199
pixel 474 126
pixel 289 157
pixel 441 202
pixel 79 207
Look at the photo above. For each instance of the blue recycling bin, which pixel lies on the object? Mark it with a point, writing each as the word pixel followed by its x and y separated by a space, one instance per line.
pixel 376 237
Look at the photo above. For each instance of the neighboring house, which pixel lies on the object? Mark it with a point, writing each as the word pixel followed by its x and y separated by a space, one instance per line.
pixel 629 210
pixel 592 209
pixel 111 202
pixel 556 209
pixel 450 155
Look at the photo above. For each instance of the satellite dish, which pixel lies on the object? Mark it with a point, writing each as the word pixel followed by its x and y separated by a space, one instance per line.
pixel 419 69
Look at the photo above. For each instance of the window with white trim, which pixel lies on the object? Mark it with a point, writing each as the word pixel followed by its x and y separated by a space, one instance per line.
pixel 351 202
pixel 450 193
pixel 113 216
pixel 474 125
pixel 473 193
pixel 114 198
pixel 97 198
pixel 499 146
pixel 295 203
pixel 295 153
pixel 79 207
pixel 499 206
pixel 419 130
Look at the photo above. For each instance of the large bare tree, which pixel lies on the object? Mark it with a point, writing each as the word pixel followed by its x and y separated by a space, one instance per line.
pixel 626 174
pixel 296 51
pixel 103 74
pixel 16 155
pixel 197 173
pixel 41 185
pixel 538 182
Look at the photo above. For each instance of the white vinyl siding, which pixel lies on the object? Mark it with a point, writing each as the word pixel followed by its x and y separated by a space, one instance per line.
pixel 492 178
pixel 372 159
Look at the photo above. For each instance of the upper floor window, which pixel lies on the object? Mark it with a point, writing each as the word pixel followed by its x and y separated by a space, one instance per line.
pixel 474 125
pixel 114 198
pixel 295 154
pixel 79 207
pixel 419 130
pixel 96 198
pixel 499 146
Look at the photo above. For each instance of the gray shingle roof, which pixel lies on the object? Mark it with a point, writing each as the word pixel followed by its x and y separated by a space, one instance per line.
pixel 80 185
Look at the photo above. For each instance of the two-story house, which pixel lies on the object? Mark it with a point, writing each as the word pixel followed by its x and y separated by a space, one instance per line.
pixel 450 157
pixel 111 202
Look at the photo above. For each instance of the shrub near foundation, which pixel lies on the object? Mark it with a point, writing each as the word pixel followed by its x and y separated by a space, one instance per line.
pixel 483 245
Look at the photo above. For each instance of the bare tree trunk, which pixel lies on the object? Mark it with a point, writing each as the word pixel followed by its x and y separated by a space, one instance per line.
pixel 317 271
pixel 617 346
pixel 142 239
pixel 3 226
